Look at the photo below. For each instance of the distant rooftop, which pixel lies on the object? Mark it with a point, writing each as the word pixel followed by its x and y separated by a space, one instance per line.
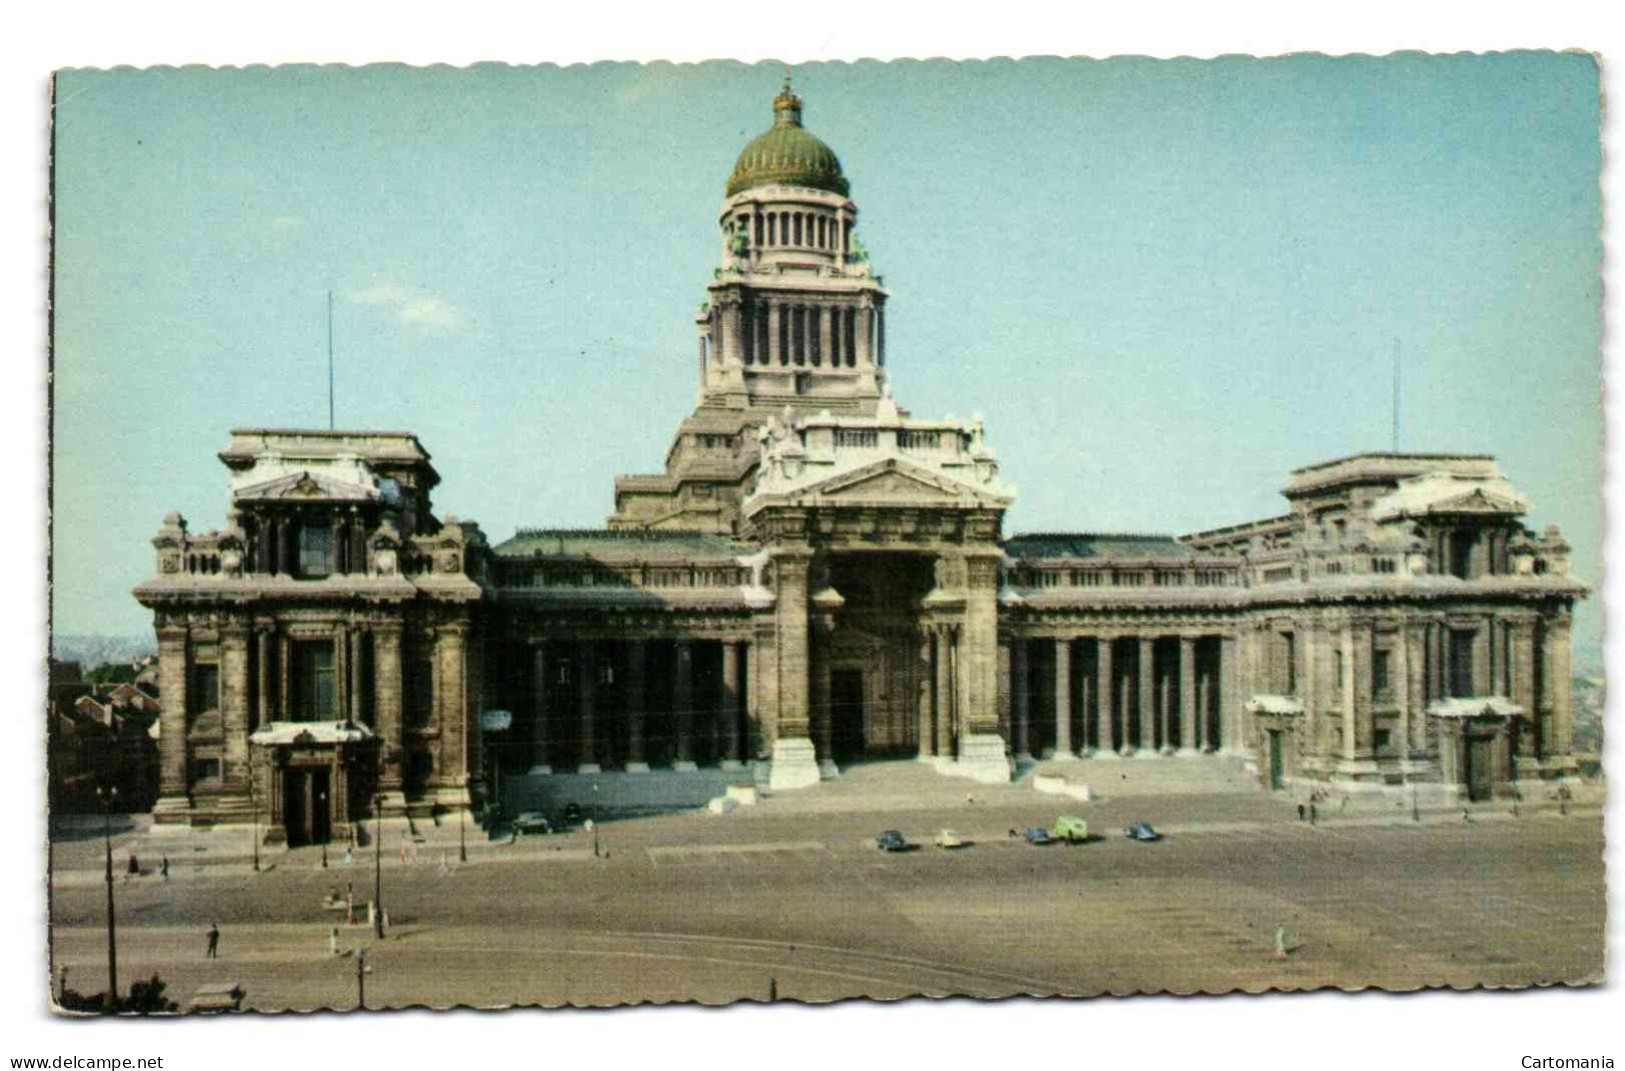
pixel 618 543
pixel 1384 467
pixel 1095 545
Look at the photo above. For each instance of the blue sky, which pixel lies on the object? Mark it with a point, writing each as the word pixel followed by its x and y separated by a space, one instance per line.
pixel 1164 283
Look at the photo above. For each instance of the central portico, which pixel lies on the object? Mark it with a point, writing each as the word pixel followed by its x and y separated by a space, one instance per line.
pixel 880 536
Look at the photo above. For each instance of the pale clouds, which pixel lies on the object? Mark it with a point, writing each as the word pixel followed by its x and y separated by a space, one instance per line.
pixel 423 311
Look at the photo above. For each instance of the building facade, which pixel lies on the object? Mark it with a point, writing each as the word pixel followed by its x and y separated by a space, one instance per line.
pixel 819 576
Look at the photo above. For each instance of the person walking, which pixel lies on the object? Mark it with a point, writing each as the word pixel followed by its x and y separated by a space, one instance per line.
pixel 163 866
pixel 214 941
pixel 1311 811
pixel 333 941
pixel 1302 812
pixel 349 905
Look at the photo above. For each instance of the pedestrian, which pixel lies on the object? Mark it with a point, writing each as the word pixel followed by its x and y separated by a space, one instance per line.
pixel 772 989
pixel 333 941
pixel 349 905
pixel 1012 834
pixel 135 865
pixel 403 849
pixel 163 866
pixel 1311 811
pixel 214 941
pixel 349 855
pixel 1302 811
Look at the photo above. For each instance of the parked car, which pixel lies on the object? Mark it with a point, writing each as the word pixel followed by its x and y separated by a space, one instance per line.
pixel 947 838
pixel 572 813
pixel 891 841
pixel 1071 828
pixel 532 822
pixel 1039 835
pixel 1141 831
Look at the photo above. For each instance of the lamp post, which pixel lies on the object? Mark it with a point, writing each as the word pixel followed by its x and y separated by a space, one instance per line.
pixel 322 798
pixel 361 970
pixel 462 834
pixel 378 865
pixel 108 797
pixel 254 805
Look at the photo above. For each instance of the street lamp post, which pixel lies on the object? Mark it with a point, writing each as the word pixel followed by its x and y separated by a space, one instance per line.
pixel 322 797
pixel 108 798
pixel 361 979
pixel 378 865
pixel 462 834
pixel 254 805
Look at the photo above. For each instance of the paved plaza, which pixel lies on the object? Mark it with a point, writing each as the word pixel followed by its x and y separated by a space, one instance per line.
pixel 790 897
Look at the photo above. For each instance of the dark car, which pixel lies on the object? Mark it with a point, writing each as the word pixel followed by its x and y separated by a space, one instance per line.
pixel 891 841
pixel 532 822
pixel 1040 835
pixel 572 812
pixel 1141 831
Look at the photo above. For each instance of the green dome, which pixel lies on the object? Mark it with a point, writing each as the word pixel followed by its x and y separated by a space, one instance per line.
pixel 787 155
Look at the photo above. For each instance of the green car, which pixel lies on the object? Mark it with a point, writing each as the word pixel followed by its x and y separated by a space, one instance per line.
pixel 1071 829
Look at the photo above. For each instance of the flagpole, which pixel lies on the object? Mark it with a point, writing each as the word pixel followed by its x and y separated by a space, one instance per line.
pixel 330 424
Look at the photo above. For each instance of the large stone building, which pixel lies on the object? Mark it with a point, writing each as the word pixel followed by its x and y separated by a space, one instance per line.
pixel 819 576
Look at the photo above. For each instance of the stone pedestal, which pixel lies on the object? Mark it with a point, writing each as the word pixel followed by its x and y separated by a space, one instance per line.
pixel 731 764
pixel 827 770
pixel 982 758
pixel 540 769
pixel 172 810
pixel 685 766
pixel 795 764
pixel 637 767
pixel 589 768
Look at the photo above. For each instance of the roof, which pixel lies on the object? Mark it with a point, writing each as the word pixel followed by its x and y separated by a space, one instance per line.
pixel 1094 545
pixel 618 543
pixel 787 155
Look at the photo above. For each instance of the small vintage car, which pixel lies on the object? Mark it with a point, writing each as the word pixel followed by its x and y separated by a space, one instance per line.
pixel 891 841
pixel 532 822
pixel 1071 828
pixel 947 838
pixel 1142 831
pixel 1040 836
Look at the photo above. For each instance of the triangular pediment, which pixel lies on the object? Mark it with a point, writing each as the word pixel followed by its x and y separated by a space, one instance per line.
pixel 306 486
pixel 1477 501
pixel 894 481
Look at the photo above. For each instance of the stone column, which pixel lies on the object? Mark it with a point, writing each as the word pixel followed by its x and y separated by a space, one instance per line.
pixel 355 665
pixel 944 693
pixel 451 710
pixel 173 780
pixel 1309 692
pixel 387 696
pixel 1416 655
pixel 683 703
pixel 1523 689
pixel 262 671
pixel 341 674
pixel 284 666
pixel 1063 699
pixel 775 315
pixel 587 696
pixel 1560 672
pixel 795 763
pixel 1147 696
pixel 823 699
pixel 1187 696
pixel 866 357
pixel 926 730
pixel 1106 703
pixel 1204 710
pixel 1400 667
pixel 1230 732
pixel 637 703
pixel 1437 685
pixel 1483 658
pixel 1347 686
pixel 234 704
pixel 1020 700
pixel 541 708
pixel 730 706
pixel 825 330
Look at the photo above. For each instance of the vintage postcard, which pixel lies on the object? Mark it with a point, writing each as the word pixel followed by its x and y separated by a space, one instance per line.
pixel 536 536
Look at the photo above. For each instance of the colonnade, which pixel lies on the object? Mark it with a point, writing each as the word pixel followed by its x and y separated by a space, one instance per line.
pixel 805 334
pixel 1142 694
pixel 624 703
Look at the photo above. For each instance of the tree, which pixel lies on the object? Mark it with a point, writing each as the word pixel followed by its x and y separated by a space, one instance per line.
pixel 112 673
pixel 146 998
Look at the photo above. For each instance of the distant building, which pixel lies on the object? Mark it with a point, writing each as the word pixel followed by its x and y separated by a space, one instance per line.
pixel 99 738
pixel 820 576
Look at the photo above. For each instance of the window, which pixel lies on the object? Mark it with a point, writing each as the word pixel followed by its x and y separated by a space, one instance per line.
pixel 314 696
pixel 1461 555
pixel 204 693
pixel 205 769
pixel 1461 662
pixel 419 693
pixel 1289 656
pixel 315 550
pixel 1381 684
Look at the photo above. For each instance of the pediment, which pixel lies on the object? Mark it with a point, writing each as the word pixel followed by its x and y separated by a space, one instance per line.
pixel 896 482
pixel 1477 501
pixel 306 486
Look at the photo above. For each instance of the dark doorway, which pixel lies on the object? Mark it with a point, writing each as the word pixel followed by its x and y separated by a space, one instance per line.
pixel 1277 777
pixel 321 807
pixel 294 816
pixel 846 714
pixel 1480 760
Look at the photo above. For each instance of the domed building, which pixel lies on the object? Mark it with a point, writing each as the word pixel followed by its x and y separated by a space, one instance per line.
pixel 819 577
